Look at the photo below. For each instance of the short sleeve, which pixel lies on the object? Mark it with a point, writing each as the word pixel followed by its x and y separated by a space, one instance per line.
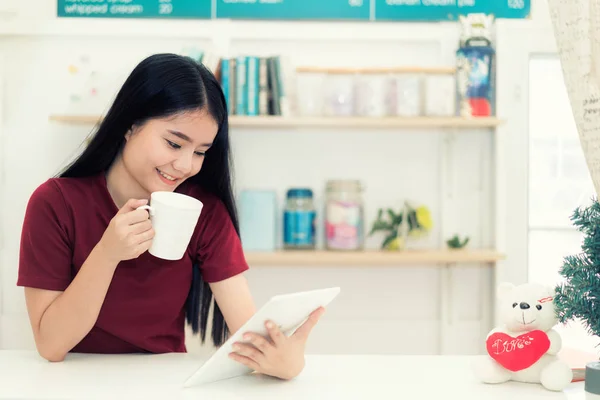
pixel 45 252
pixel 219 247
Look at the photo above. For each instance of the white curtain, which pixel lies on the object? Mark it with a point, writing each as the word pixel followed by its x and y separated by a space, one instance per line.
pixel 577 31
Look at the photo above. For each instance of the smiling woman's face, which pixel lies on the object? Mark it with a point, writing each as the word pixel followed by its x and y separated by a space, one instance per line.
pixel 163 153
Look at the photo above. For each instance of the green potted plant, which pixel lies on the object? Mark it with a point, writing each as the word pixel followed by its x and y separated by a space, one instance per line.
pixel 398 226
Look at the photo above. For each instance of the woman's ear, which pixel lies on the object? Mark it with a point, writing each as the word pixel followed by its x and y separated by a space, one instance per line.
pixel 128 134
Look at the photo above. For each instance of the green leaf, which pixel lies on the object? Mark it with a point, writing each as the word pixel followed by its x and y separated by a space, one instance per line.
pixel 391 215
pixel 398 219
pixel 380 226
pixel 388 239
pixel 456 243
pixel 412 220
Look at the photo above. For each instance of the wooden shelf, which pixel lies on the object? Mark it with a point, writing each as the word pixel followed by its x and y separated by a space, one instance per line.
pixel 382 70
pixel 370 258
pixel 328 122
pixel 363 122
pixel 75 119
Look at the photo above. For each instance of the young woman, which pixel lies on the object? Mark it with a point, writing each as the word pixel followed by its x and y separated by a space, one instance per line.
pixel 91 286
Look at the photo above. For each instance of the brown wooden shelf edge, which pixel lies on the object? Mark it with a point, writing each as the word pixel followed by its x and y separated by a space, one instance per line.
pixel 326 122
pixel 371 258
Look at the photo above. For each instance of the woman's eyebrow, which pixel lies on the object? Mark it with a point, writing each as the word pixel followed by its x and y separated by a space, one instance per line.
pixel 185 137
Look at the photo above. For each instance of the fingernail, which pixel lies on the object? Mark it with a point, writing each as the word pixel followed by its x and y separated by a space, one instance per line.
pixel 236 346
pixel 269 325
pixel 247 336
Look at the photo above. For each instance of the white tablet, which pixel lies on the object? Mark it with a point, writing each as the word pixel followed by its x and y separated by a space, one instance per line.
pixel 288 311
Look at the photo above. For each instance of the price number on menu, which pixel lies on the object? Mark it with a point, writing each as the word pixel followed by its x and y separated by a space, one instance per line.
pixel 165 7
pixel 517 4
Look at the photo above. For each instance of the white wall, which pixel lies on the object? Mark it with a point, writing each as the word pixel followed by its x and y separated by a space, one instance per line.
pixel 380 310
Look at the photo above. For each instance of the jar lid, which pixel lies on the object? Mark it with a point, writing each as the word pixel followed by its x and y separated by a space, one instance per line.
pixel 344 185
pixel 299 192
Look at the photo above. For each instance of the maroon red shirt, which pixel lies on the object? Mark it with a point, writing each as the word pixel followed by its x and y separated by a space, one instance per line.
pixel 144 309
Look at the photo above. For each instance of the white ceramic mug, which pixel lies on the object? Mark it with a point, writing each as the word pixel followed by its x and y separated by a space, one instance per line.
pixel 174 217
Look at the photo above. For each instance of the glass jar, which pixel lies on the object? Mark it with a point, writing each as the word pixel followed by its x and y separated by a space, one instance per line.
pixel 309 94
pixel 408 95
pixel 339 94
pixel 299 220
pixel 344 225
pixel 371 94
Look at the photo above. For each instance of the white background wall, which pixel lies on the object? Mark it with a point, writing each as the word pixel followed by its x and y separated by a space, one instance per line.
pixel 381 309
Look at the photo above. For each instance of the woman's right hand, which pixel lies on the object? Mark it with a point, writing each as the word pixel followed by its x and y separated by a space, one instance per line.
pixel 129 233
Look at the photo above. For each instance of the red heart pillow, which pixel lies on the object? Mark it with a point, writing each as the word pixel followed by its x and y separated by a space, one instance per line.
pixel 517 353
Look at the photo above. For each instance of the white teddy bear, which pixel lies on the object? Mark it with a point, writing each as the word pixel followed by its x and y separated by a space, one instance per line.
pixel 525 346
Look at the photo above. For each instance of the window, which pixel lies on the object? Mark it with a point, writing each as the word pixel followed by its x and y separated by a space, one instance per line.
pixel 559 182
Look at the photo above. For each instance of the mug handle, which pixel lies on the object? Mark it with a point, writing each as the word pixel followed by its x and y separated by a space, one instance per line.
pixel 149 208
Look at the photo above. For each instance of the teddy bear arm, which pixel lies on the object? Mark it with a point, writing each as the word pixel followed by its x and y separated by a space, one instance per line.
pixel 555 342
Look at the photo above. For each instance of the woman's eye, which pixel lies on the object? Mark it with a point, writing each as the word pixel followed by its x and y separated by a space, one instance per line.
pixel 173 145
pixel 176 146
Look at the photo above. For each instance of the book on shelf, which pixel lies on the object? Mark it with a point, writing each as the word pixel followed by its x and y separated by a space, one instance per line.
pixel 253 86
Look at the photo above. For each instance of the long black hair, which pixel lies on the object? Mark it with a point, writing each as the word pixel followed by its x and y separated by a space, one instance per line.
pixel 163 85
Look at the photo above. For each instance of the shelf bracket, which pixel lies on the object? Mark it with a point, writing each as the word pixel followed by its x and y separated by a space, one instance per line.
pixel 446 307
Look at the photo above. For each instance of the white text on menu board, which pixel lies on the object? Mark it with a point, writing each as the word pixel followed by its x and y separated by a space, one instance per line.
pixel 113 7
pixel 515 4
pixel 351 3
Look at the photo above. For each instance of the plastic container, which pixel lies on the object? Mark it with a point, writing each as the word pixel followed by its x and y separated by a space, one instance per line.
pixel 299 230
pixel 344 224
pixel 258 216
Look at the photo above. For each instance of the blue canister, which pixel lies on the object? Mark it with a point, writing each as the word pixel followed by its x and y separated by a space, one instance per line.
pixel 299 220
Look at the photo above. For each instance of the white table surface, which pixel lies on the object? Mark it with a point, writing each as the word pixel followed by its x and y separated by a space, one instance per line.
pixel 25 375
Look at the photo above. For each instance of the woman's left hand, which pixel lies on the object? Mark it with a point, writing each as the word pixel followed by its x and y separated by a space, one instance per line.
pixel 279 356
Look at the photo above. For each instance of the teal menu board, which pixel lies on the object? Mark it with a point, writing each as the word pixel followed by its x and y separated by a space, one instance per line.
pixel 362 10
pixel 439 10
pixel 294 9
pixel 198 9
pixel 499 8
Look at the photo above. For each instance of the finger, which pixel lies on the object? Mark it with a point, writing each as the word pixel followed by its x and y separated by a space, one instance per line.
pixel 141 227
pixel 244 360
pixel 143 247
pixel 304 330
pixel 274 333
pixel 131 205
pixel 259 342
pixel 144 236
pixel 135 216
pixel 249 351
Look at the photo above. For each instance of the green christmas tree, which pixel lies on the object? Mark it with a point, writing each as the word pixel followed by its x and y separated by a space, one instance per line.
pixel 578 297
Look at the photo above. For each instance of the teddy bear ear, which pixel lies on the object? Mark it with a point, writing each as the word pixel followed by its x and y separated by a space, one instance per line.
pixel 551 290
pixel 504 288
